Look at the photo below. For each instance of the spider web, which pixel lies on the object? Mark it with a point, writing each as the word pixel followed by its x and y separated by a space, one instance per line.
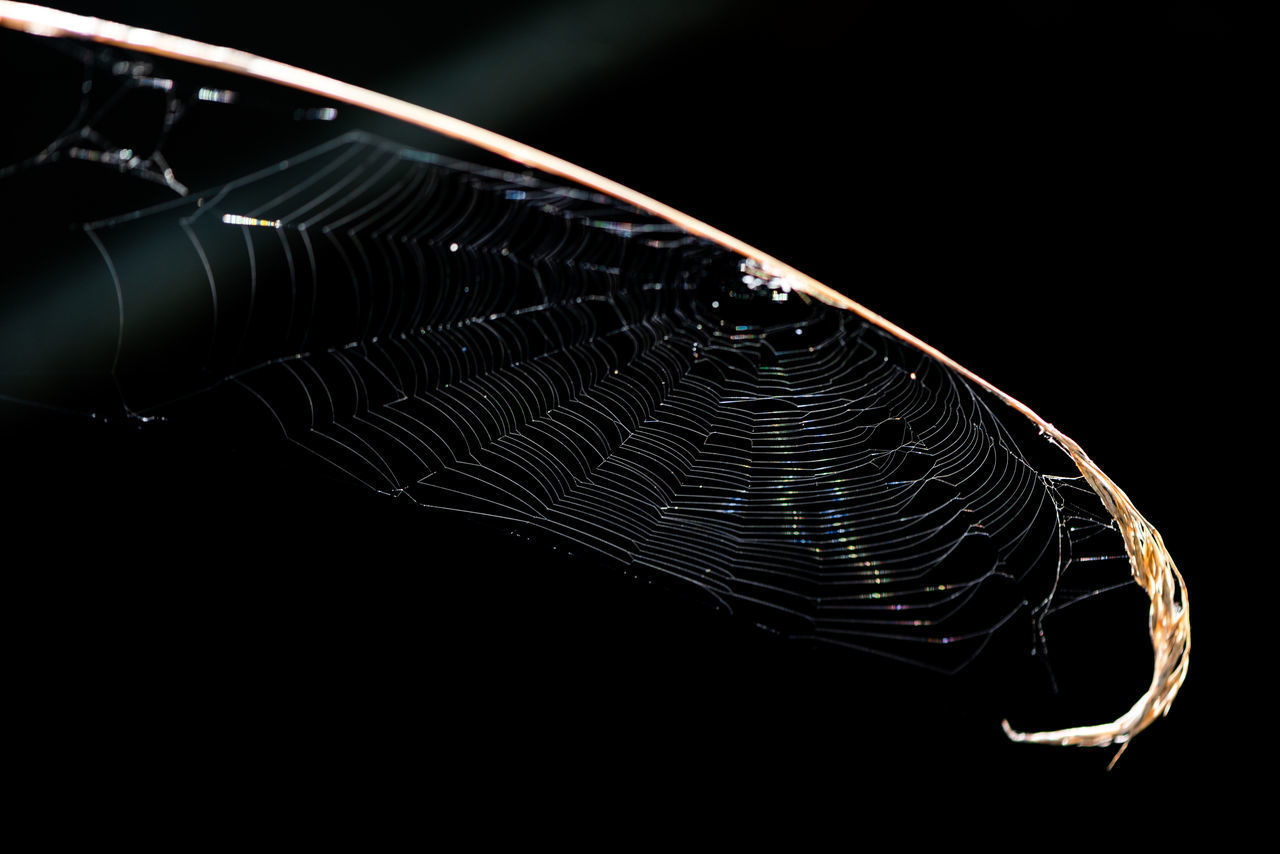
pixel 489 344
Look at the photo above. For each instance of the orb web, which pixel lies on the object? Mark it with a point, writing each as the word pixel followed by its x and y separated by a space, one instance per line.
pixel 485 343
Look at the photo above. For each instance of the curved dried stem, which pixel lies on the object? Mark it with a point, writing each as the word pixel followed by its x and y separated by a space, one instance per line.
pixel 1170 619
pixel 1150 563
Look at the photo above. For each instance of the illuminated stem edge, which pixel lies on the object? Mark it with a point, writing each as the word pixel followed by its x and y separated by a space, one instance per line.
pixel 1149 560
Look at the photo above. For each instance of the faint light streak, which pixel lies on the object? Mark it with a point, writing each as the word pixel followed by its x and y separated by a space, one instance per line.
pixel 125 68
pixel 237 219
pixel 316 114
pixel 217 96
pixel 124 158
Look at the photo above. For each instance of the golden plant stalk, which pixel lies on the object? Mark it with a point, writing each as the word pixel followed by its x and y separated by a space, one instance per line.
pixel 1149 560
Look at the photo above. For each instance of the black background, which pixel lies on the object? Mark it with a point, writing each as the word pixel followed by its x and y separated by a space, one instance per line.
pixel 1045 192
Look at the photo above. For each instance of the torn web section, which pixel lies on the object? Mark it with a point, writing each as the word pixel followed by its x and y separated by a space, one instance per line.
pixel 92 134
pixel 535 358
